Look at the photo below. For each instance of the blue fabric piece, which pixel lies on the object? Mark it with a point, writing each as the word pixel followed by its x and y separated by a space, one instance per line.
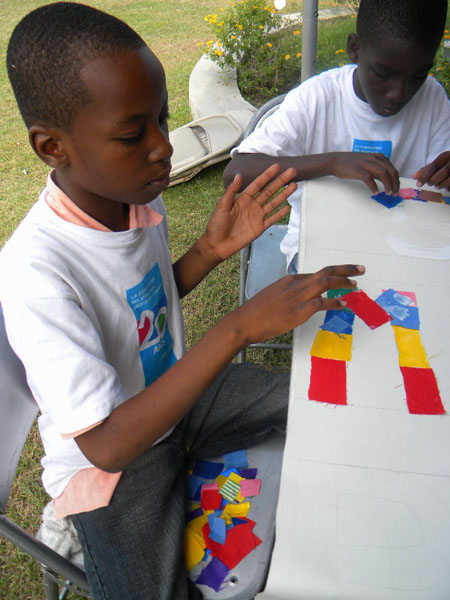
pixel 446 199
pixel 198 512
pixel 248 473
pixel 213 574
pixel 236 459
pixel 194 485
pixel 227 472
pixel 207 469
pixel 400 308
pixel 218 528
pixel 337 325
pixel 387 200
pixel 338 321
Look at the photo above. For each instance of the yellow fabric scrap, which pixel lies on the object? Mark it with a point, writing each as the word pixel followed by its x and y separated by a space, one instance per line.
pixel 411 352
pixel 328 344
pixel 194 548
pixel 236 510
pixel 197 524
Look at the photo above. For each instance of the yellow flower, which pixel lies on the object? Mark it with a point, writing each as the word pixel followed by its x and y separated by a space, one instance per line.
pixel 220 24
pixel 269 45
pixel 287 57
pixel 447 37
pixel 340 51
pixel 239 27
pixel 200 43
pixel 218 52
pixel 210 42
pixel 445 30
pixel 296 32
pixel 439 68
pixel 261 26
pixel 299 54
pixel 233 37
pixel 341 64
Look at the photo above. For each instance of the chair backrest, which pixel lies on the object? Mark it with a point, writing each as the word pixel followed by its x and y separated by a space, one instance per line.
pixel 18 411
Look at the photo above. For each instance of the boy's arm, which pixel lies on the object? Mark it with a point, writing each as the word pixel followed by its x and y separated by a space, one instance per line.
pixel 136 424
pixel 364 166
pixel 237 220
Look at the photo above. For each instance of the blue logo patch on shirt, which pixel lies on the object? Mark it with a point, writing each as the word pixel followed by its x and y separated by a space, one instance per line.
pixel 385 147
pixel 149 304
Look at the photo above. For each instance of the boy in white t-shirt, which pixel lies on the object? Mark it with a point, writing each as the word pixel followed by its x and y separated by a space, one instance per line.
pixel 372 122
pixel 91 302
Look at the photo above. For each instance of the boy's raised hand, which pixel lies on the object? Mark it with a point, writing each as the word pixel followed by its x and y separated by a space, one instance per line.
pixel 437 173
pixel 366 167
pixel 292 300
pixel 239 218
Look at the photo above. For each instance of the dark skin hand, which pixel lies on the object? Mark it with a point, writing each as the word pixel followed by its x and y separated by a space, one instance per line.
pixel 363 166
pixel 437 173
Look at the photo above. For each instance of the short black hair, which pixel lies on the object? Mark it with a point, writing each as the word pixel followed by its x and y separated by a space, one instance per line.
pixel 422 21
pixel 47 51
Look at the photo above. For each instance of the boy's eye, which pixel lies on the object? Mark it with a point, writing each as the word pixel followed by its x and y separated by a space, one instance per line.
pixel 131 139
pixel 381 74
pixel 163 118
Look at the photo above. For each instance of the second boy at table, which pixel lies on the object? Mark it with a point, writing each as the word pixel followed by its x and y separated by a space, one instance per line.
pixel 370 122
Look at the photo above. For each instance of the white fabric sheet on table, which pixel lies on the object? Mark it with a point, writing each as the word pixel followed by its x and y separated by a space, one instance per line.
pixel 364 507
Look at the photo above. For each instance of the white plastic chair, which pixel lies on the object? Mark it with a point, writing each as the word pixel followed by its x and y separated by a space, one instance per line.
pixel 18 411
pixel 262 262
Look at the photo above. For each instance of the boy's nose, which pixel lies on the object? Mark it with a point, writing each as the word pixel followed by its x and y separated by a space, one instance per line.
pixel 397 92
pixel 159 147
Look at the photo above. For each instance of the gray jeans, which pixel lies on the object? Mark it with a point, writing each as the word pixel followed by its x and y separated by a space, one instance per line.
pixel 133 548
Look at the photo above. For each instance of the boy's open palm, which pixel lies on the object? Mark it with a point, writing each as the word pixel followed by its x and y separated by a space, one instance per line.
pixel 238 219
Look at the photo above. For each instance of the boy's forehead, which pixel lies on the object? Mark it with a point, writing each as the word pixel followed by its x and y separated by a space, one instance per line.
pixel 122 70
pixel 398 52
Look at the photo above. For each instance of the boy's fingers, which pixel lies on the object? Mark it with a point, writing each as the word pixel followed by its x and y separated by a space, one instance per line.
pixel 277 200
pixel 279 214
pixel 266 184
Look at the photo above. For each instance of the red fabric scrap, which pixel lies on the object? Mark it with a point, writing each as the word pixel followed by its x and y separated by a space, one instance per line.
pixel 367 309
pixel 210 497
pixel 422 392
pixel 328 382
pixel 239 542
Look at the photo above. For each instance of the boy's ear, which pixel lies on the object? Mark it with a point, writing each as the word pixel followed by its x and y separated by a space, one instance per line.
pixel 353 46
pixel 48 143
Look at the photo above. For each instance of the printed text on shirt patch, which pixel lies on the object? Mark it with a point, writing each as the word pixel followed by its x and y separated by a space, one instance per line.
pixel 149 304
pixel 384 147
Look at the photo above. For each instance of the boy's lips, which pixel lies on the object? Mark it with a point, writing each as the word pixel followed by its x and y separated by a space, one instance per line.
pixel 161 182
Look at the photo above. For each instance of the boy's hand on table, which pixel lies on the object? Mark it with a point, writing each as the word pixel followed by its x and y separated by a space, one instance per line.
pixel 292 300
pixel 367 167
pixel 239 218
pixel 437 173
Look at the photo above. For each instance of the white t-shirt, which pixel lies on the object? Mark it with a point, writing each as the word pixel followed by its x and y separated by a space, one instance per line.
pixel 94 316
pixel 324 114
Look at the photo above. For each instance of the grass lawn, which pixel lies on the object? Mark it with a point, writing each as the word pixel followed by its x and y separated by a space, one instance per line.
pixel 173 29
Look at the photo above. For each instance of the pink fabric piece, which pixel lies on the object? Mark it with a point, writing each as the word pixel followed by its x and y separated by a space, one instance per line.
pixel 250 487
pixel 407 193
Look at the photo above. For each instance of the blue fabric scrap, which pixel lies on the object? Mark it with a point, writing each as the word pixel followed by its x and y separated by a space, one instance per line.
pixel 217 528
pixel 207 469
pixel 401 308
pixel 387 200
pixel 194 485
pixel 236 459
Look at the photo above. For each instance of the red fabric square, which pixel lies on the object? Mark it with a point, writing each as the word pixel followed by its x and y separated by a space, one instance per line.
pixel 422 392
pixel 366 309
pixel 239 542
pixel 210 497
pixel 328 382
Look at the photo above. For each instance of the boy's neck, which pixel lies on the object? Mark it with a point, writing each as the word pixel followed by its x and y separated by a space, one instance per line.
pixel 113 215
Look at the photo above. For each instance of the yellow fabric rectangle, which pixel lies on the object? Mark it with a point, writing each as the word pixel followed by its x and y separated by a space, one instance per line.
pixel 194 548
pixel 411 352
pixel 236 510
pixel 328 344
pixel 197 524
